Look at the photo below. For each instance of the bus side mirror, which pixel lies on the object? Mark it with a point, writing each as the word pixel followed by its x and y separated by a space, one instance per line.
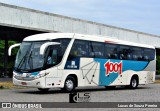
pixel 45 45
pixel 11 47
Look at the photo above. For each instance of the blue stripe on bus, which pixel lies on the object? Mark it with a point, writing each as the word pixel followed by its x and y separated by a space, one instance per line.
pixel 126 65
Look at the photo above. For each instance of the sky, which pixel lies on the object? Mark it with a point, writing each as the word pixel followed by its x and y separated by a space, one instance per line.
pixel 138 15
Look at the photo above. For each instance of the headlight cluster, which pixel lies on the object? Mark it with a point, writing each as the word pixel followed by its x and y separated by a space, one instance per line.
pixel 39 75
pixel 28 76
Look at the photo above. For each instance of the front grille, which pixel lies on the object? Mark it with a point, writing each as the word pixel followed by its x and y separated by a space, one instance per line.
pixel 24 78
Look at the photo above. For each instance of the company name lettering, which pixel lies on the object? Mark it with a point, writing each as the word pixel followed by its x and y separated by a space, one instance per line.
pixel 113 67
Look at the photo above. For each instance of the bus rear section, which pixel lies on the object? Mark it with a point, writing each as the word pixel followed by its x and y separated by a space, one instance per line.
pixel 109 64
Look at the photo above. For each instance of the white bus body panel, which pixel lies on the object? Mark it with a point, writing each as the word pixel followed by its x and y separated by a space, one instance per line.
pixel 88 73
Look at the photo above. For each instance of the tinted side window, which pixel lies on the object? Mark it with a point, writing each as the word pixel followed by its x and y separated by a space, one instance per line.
pixel 64 45
pixel 125 52
pixel 96 49
pixel 79 49
pixel 55 53
pixel 149 54
pixel 137 53
pixel 53 57
pixel 111 51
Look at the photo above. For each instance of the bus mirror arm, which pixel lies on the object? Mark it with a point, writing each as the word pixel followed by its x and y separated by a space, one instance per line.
pixel 45 45
pixel 11 47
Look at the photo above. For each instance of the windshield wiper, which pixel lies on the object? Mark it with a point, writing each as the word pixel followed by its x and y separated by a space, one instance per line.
pixel 22 60
pixel 30 57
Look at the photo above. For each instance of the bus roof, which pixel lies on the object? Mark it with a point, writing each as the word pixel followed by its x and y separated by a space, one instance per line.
pixel 97 38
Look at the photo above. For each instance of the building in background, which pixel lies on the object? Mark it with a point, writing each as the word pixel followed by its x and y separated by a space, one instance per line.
pixel 18 22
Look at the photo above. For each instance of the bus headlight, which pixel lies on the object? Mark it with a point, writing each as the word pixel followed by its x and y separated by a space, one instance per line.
pixel 39 75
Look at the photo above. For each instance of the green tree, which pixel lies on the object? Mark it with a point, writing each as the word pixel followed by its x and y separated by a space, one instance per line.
pixel 10 59
pixel 1 53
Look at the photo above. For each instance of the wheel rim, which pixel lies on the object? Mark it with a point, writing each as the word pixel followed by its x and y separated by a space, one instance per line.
pixel 134 83
pixel 69 84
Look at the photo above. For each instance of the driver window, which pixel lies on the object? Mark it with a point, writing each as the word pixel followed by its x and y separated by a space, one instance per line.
pixel 52 57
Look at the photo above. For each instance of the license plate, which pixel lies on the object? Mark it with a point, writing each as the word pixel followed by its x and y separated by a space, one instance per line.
pixel 23 83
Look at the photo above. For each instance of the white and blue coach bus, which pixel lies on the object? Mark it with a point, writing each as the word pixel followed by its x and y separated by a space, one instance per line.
pixel 68 60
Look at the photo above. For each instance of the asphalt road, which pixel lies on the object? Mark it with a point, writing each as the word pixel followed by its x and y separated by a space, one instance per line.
pixel 147 93
pixel 144 93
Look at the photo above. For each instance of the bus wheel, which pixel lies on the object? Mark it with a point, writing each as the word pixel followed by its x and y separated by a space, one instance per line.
pixel 133 83
pixel 43 89
pixel 69 84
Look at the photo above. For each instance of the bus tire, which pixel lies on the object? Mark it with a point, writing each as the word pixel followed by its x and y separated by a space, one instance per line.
pixel 134 83
pixel 43 89
pixel 70 84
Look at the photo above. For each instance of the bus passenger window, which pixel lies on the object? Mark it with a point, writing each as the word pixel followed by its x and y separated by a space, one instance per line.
pixel 137 53
pixel 79 49
pixel 111 51
pixel 125 52
pixel 96 49
pixel 148 54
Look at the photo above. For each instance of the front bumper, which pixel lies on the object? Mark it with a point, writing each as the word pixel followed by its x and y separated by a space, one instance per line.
pixel 38 83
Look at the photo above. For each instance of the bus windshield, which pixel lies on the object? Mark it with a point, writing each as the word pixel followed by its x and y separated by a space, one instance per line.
pixel 28 56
